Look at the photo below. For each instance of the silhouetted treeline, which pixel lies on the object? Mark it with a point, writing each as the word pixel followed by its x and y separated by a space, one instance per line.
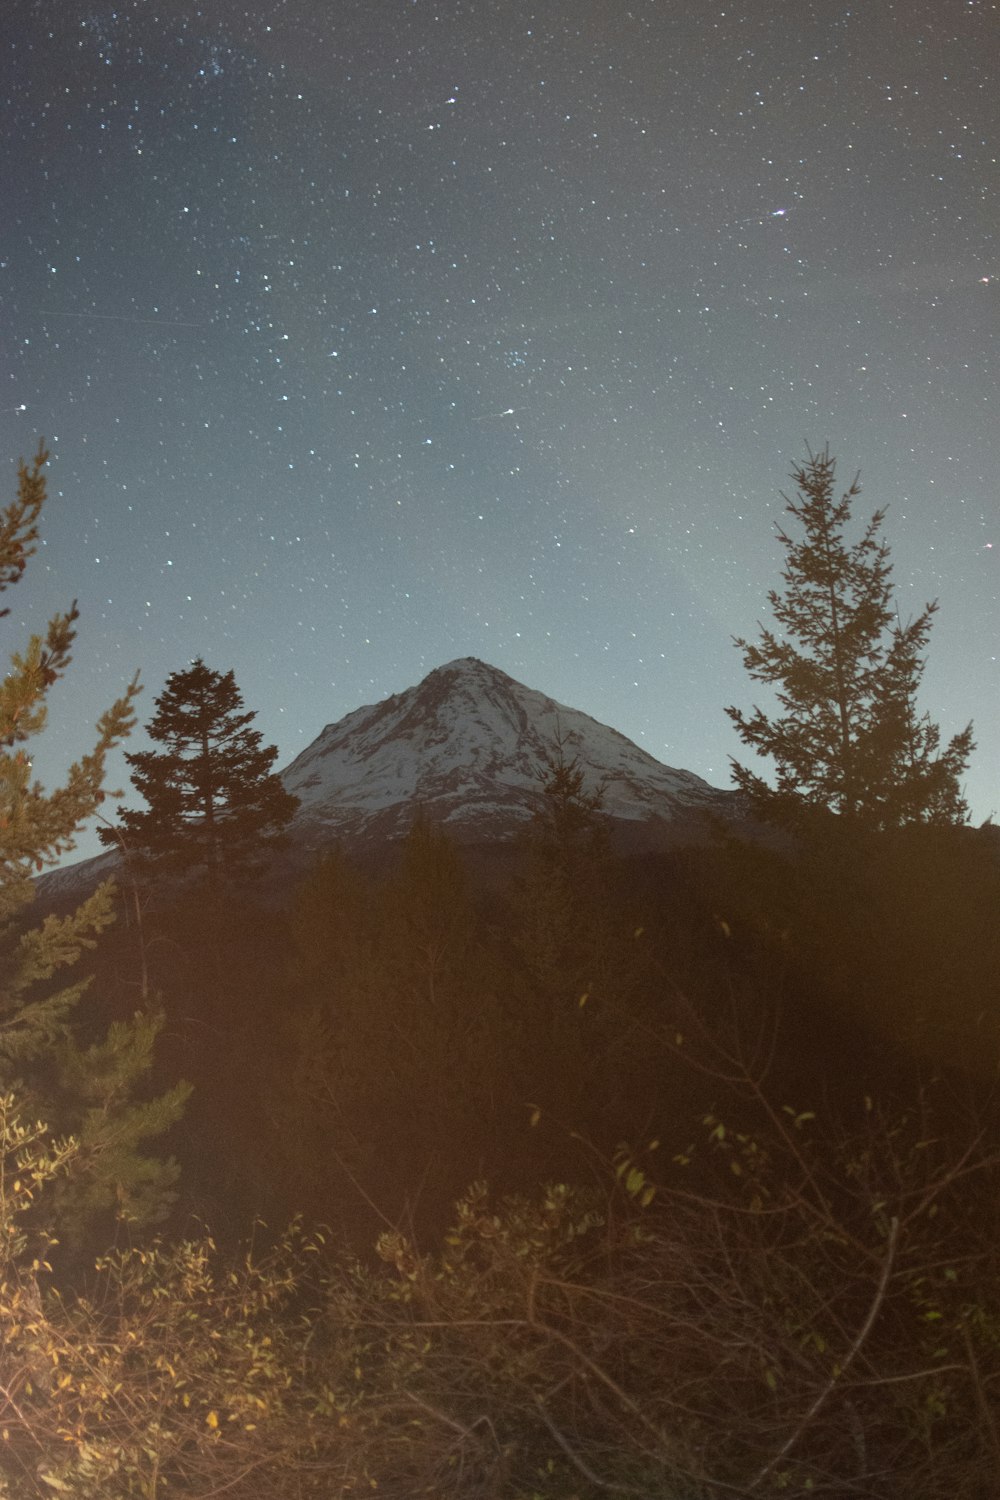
pixel 377 1042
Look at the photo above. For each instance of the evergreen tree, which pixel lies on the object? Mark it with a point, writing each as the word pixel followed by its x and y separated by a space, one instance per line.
pixel 77 1084
pixel 573 936
pixel 560 897
pixel 849 737
pixel 213 801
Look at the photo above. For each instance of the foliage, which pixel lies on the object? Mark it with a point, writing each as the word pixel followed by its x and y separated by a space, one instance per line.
pixel 849 737
pixel 558 895
pixel 581 974
pixel 802 1300
pixel 398 1037
pixel 808 1311
pixel 36 829
pixel 889 940
pixel 173 1373
pixel 799 1310
pixel 423 1025
pixel 213 802
pixel 85 1086
pixel 855 1255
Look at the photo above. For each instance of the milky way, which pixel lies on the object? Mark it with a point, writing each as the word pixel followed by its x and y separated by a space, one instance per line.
pixel 372 334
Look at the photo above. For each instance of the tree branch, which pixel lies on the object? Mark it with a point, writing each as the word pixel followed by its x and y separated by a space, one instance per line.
pixel 852 1353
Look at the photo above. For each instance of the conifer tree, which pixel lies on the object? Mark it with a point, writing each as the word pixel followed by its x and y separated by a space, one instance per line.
pixel 574 952
pixel 848 737
pixel 79 1084
pixel 213 802
pixel 560 897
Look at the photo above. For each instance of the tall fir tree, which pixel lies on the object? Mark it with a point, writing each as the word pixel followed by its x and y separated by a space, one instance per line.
pixel 575 950
pixel 50 1056
pixel 849 738
pixel 213 803
pixel 559 898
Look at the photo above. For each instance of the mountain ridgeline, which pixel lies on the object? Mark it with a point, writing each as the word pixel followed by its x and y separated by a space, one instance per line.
pixel 470 747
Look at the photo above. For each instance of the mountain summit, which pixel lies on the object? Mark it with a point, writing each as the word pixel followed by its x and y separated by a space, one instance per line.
pixel 468 746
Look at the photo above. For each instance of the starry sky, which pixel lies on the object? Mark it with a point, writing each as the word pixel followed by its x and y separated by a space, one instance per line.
pixel 367 334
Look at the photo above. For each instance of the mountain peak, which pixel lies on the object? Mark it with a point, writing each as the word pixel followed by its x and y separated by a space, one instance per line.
pixel 466 674
pixel 470 746
pixel 466 664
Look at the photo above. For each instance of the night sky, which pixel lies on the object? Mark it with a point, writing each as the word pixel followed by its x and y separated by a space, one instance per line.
pixel 367 334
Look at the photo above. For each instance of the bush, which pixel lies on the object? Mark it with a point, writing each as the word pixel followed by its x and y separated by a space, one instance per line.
pixel 796 1311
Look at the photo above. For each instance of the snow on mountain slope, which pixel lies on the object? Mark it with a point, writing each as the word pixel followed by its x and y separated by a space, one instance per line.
pixel 468 748
pixel 469 745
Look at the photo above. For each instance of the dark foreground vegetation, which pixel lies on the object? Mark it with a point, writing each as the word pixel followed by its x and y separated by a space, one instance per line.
pixel 730 1124
pixel 674 1177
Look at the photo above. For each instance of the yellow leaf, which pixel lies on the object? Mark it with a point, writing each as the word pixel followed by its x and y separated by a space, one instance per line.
pixel 212 1420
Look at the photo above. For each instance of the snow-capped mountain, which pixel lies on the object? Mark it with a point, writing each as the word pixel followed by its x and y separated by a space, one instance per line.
pixel 468 746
